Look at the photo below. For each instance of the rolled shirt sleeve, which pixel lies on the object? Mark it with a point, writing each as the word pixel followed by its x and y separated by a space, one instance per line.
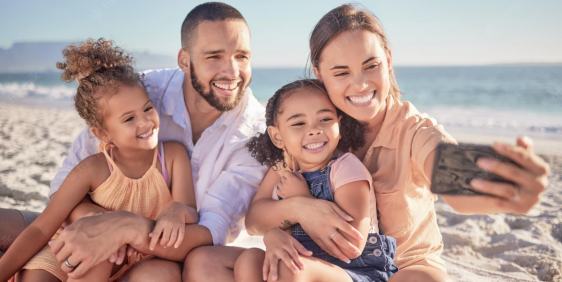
pixel 426 139
pixel 85 145
pixel 227 200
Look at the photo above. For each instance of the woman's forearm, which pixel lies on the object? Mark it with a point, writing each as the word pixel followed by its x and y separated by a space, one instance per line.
pixel 265 214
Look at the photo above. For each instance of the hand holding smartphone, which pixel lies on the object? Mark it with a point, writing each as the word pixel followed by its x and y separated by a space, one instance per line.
pixel 455 167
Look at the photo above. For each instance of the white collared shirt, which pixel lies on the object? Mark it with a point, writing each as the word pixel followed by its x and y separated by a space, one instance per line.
pixel 225 175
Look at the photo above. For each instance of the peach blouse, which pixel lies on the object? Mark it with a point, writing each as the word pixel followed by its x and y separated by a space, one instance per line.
pixel 405 204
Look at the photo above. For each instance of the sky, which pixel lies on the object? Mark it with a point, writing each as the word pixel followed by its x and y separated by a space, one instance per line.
pixel 429 33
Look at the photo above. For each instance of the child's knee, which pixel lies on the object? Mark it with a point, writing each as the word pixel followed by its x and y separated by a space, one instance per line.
pixel 250 262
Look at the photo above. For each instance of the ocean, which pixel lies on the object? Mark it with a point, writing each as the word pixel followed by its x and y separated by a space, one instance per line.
pixel 480 99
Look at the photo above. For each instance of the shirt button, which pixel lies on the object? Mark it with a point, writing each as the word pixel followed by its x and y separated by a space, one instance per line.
pixel 373 240
pixel 377 253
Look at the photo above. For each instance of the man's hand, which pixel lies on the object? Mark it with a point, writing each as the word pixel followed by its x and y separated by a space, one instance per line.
pixel 91 240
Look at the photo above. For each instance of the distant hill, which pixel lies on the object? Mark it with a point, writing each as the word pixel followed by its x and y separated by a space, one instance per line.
pixel 42 57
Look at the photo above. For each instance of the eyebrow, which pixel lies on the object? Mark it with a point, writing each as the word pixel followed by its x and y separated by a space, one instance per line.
pixel 214 52
pixel 222 51
pixel 319 112
pixel 133 111
pixel 346 67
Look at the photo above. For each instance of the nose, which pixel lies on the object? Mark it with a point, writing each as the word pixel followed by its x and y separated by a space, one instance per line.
pixel 231 69
pixel 360 83
pixel 315 131
pixel 145 121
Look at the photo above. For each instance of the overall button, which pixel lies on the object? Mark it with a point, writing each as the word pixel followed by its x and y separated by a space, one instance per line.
pixel 373 240
pixel 377 252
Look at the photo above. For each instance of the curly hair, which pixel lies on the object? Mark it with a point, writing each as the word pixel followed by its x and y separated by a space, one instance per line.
pixel 100 68
pixel 264 151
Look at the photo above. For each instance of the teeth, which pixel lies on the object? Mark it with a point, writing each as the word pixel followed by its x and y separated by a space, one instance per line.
pixel 226 86
pixel 314 145
pixel 361 100
pixel 146 134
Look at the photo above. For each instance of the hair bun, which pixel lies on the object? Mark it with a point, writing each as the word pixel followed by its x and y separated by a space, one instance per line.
pixel 85 58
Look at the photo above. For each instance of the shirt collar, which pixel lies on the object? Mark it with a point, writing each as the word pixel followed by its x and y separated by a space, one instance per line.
pixel 387 136
pixel 173 94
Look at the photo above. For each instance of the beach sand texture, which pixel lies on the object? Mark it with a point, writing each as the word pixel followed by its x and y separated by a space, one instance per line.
pixel 34 142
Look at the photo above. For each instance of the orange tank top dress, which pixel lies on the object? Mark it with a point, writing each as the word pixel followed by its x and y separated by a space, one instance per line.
pixel 145 196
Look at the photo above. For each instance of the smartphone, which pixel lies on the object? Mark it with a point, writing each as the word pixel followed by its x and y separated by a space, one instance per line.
pixel 455 166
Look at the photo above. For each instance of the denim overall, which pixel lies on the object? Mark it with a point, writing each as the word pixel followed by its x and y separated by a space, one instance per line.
pixel 375 263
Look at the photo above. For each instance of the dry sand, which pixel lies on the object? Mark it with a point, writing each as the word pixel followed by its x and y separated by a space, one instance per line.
pixel 34 142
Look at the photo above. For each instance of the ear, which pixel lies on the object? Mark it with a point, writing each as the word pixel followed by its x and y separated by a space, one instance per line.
pixel 317 73
pixel 184 60
pixel 100 134
pixel 275 136
pixel 389 61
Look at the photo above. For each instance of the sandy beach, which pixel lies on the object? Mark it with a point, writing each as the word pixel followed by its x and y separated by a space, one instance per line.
pixel 34 142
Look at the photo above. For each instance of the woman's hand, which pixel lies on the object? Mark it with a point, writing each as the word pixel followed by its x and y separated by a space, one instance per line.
pixel 170 225
pixel 530 182
pixel 321 219
pixel 292 184
pixel 281 246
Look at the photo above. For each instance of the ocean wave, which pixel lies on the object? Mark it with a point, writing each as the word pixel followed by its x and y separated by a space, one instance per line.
pixel 31 90
pixel 496 119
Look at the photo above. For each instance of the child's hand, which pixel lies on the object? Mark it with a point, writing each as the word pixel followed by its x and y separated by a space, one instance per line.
pixel 292 184
pixel 119 257
pixel 170 224
pixel 282 246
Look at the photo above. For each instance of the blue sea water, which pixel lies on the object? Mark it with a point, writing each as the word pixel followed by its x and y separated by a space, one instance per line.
pixel 516 98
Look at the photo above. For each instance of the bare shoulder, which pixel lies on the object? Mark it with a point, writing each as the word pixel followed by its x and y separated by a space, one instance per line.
pixel 174 149
pixel 94 167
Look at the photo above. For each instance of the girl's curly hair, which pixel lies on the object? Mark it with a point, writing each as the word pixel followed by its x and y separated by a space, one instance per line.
pixel 100 68
pixel 261 147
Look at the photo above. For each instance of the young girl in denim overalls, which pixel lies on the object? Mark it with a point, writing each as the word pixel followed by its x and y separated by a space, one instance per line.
pixel 307 136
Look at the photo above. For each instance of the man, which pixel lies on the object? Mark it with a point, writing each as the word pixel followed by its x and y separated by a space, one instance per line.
pixel 206 105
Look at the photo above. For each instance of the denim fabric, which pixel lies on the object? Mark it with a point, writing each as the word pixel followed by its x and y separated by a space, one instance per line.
pixel 375 263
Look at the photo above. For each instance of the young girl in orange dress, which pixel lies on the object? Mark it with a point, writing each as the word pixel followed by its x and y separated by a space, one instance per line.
pixel 131 172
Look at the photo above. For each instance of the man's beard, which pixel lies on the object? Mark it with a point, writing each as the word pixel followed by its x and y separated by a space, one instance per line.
pixel 211 97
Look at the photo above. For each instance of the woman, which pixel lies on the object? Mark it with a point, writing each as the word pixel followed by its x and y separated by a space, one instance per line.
pixel 351 56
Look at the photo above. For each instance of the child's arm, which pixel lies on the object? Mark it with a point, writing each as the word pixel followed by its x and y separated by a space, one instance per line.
pixel 170 224
pixel 182 182
pixel 353 198
pixel 77 184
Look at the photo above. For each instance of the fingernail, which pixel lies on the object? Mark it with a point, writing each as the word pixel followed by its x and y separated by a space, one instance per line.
pixel 348 261
pixel 476 183
pixel 485 163
pixel 176 246
pixel 357 253
pixel 499 146
pixel 150 235
pixel 151 248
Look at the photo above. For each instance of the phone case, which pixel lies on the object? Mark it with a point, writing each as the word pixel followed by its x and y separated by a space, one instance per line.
pixel 455 166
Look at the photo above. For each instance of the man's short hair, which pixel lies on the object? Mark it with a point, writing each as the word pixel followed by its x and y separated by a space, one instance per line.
pixel 210 11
